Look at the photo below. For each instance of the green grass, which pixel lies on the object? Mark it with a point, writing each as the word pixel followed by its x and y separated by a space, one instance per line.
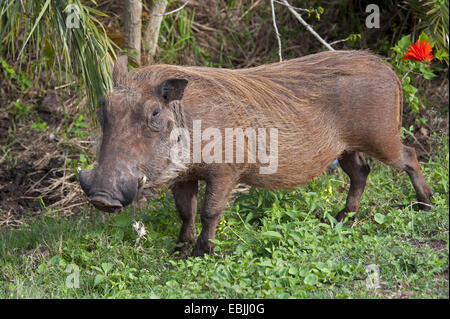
pixel 269 245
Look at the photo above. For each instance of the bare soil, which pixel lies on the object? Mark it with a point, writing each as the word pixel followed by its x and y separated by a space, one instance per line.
pixel 33 172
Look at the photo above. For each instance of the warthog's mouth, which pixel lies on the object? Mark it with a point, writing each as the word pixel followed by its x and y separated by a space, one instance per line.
pixel 105 203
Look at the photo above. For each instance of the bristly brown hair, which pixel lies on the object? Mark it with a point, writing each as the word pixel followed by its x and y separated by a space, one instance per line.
pixel 276 87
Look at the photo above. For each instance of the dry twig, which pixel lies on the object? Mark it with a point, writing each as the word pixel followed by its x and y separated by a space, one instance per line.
pixel 305 24
pixel 176 10
pixel 274 20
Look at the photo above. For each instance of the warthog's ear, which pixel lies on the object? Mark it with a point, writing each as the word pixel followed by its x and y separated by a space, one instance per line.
pixel 120 71
pixel 172 89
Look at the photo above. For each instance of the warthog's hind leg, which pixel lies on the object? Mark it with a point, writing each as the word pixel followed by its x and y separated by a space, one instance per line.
pixel 354 164
pixel 407 160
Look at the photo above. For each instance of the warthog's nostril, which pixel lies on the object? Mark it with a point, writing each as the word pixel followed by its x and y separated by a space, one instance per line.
pixel 104 203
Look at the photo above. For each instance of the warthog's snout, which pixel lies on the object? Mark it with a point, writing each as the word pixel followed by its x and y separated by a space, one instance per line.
pixel 106 192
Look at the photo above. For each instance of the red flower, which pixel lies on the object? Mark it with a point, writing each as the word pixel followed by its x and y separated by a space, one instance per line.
pixel 420 51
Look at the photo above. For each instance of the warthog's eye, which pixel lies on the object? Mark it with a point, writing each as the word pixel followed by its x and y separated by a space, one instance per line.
pixel 155 115
pixel 155 120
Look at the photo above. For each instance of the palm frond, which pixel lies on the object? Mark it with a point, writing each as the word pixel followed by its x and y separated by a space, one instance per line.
pixel 40 30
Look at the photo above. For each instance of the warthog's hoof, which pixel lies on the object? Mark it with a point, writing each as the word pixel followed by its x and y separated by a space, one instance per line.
pixel 181 251
pixel 424 200
pixel 342 214
pixel 424 206
pixel 201 250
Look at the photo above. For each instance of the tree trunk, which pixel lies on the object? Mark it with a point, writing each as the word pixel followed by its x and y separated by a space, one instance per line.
pixel 151 33
pixel 132 11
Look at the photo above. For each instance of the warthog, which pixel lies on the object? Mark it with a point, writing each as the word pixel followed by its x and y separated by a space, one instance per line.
pixel 323 106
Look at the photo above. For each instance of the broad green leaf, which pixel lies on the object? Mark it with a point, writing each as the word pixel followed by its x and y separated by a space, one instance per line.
pixel 311 280
pixel 42 268
pixel 404 42
pixel 54 260
pixel 423 36
pixel 293 271
pixel 98 279
pixel 272 234
pixel 266 263
pixel 379 218
pixel 427 74
pixel 107 267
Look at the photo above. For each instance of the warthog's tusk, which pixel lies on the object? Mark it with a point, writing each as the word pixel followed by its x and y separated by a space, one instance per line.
pixel 142 181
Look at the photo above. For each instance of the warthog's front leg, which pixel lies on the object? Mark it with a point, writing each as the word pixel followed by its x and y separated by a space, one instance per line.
pixel 218 189
pixel 185 195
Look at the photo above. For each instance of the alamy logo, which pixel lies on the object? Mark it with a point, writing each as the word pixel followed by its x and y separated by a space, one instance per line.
pixel 373 19
pixel 209 146
pixel 373 276
pixel 73 16
pixel 73 279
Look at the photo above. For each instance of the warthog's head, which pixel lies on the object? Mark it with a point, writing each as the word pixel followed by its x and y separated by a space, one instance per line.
pixel 136 122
